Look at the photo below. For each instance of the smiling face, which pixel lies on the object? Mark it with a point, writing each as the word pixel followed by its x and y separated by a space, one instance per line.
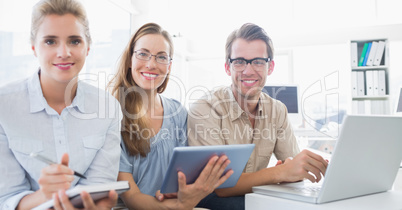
pixel 249 82
pixel 61 48
pixel 149 75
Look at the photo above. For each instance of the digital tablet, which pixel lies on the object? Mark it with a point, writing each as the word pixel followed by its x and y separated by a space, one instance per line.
pixel 192 160
pixel 97 192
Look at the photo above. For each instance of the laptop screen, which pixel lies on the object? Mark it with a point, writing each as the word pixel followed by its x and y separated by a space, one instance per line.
pixel 399 102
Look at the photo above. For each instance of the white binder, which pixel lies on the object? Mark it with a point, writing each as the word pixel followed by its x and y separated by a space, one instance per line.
pixel 369 83
pixel 361 107
pixel 370 59
pixel 367 107
pixel 379 52
pixel 360 83
pixel 381 83
pixel 353 54
pixel 375 83
pixel 354 83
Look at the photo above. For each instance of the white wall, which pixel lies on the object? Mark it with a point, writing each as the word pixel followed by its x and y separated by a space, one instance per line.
pixel 314 33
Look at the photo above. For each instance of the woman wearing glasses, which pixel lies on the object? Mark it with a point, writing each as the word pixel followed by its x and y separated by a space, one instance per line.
pixel 153 125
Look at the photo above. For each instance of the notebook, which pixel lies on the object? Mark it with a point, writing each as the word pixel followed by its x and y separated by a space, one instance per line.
pixel 192 160
pixel 366 160
pixel 97 192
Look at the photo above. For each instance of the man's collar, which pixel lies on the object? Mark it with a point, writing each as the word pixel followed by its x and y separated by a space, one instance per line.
pixel 237 111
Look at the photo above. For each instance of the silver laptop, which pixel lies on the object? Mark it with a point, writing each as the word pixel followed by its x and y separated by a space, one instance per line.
pixel 398 107
pixel 365 161
pixel 398 103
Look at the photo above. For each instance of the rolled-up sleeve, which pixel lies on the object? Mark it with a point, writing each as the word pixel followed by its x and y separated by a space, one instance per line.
pixel 286 144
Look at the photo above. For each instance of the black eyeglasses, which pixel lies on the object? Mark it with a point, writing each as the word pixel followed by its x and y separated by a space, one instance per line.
pixel 258 64
pixel 161 58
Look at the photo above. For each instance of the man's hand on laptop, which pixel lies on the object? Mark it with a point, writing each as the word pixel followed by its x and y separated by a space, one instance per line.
pixel 305 165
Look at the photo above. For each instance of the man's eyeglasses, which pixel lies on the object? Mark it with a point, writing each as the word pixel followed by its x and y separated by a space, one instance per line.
pixel 258 64
pixel 161 58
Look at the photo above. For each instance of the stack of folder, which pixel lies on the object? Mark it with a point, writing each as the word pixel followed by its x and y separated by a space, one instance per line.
pixel 368 83
pixel 375 107
pixel 371 54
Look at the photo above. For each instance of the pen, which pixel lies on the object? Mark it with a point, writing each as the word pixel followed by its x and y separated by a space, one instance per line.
pixel 47 161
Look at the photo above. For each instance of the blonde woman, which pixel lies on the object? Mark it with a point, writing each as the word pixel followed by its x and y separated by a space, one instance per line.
pixel 153 125
pixel 53 114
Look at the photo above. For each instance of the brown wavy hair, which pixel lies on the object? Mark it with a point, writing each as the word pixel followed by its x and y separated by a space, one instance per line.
pixel 135 124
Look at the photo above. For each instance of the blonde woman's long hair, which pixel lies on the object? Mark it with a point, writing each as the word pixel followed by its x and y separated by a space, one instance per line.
pixel 135 124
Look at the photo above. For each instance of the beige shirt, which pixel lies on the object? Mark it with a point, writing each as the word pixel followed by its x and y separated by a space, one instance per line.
pixel 217 119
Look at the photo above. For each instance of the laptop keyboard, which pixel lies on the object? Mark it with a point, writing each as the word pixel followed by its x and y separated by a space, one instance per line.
pixel 314 189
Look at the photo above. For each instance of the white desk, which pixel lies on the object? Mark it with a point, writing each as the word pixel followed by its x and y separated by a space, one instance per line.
pixel 387 200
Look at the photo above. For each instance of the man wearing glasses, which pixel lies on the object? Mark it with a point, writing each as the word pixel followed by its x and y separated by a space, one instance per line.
pixel 243 114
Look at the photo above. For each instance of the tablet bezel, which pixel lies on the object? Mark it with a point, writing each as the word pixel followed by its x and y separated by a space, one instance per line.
pixel 192 160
